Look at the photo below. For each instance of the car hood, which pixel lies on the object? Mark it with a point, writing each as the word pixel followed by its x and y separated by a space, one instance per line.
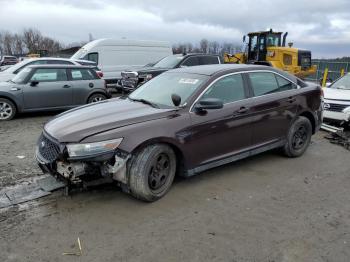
pixel 148 70
pixel 82 122
pixel 337 94
pixel 5 76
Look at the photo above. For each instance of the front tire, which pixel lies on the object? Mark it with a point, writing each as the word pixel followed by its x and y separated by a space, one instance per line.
pixel 7 109
pixel 152 172
pixel 299 137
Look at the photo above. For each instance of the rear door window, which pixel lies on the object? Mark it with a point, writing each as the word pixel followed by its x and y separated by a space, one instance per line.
pixel 285 84
pixel 59 62
pixel 228 89
pixel 264 83
pixel 82 74
pixel 208 60
pixel 49 75
pixel 191 61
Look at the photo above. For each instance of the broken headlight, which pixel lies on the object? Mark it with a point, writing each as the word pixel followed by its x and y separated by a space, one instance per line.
pixel 82 150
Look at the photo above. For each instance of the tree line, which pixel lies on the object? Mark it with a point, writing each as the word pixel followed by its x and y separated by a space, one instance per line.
pixel 206 46
pixel 28 41
pixel 31 40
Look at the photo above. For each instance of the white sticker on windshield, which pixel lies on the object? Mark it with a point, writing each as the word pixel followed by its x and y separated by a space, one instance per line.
pixel 189 81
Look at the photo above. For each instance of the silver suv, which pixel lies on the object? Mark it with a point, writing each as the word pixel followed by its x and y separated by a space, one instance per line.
pixel 50 87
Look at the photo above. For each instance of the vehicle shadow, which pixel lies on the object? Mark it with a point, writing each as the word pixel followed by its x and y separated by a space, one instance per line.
pixel 38 114
pixel 206 177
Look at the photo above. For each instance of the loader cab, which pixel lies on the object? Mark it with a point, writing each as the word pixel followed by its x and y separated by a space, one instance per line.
pixel 258 43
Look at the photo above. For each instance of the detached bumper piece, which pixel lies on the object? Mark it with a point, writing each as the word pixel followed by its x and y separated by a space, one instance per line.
pixel 52 159
pixel 339 138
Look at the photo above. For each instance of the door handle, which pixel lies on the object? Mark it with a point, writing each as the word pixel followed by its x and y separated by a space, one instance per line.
pixel 66 86
pixel 291 99
pixel 242 110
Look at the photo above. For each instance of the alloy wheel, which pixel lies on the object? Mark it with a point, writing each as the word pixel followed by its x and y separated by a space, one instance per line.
pixel 299 138
pixel 97 99
pixel 159 172
pixel 5 111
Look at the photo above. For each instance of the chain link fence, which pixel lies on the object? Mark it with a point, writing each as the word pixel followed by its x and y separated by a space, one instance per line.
pixel 335 70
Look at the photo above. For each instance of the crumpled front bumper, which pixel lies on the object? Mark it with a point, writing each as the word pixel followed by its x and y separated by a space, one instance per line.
pixel 81 170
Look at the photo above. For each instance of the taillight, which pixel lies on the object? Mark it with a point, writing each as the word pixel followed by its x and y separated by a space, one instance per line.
pixel 100 74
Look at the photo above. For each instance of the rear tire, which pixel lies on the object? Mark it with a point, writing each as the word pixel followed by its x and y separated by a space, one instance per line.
pixel 152 172
pixel 7 109
pixel 299 137
pixel 96 98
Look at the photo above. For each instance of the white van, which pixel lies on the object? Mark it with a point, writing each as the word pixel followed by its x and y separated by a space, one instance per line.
pixel 114 56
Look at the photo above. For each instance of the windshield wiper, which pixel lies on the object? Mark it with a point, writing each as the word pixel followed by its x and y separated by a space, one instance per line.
pixel 145 102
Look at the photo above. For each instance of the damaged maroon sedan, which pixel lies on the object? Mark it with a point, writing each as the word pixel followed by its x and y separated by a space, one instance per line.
pixel 182 122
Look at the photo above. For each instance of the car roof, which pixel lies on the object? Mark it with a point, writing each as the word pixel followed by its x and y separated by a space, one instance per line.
pixel 193 54
pixel 50 58
pixel 62 59
pixel 59 66
pixel 84 61
pixel 218 68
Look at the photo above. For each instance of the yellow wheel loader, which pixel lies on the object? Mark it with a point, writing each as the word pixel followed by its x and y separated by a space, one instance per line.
pixel 269 48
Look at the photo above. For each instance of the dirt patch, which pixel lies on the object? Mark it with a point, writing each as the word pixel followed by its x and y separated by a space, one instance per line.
pixel 265 208
pixel 17 139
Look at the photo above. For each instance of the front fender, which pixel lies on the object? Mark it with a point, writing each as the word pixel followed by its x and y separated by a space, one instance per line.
pixel 15 98
pixel 168 130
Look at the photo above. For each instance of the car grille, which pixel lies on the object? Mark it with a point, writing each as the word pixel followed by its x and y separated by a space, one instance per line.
pixel 48 149
pixel 336 107
pixel 129 80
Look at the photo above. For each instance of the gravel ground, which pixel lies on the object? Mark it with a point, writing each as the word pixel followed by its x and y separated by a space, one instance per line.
pixel 17 139
pixel 265 208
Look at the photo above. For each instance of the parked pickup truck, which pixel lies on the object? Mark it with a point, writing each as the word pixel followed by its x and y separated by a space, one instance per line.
pixel 182 122
pixel 133 79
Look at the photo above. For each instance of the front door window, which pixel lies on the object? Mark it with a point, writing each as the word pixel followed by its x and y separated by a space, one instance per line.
pixel 227 89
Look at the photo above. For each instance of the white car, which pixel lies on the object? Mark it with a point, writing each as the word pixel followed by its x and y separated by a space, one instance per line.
pixel 10 72
pixel 337 100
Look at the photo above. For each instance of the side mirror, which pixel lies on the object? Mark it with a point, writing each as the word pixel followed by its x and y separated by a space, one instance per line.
pixel 244 39
pixel 209 103
pixel 176 99
pixel 34 83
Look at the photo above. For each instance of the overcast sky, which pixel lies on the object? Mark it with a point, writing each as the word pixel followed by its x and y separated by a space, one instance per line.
pixel 322 26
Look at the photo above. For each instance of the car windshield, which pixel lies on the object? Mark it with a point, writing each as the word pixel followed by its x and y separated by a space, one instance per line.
pixel 21 76
pixel 169 61
pixel 159 90
pixel 16 66
pixel 342 83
